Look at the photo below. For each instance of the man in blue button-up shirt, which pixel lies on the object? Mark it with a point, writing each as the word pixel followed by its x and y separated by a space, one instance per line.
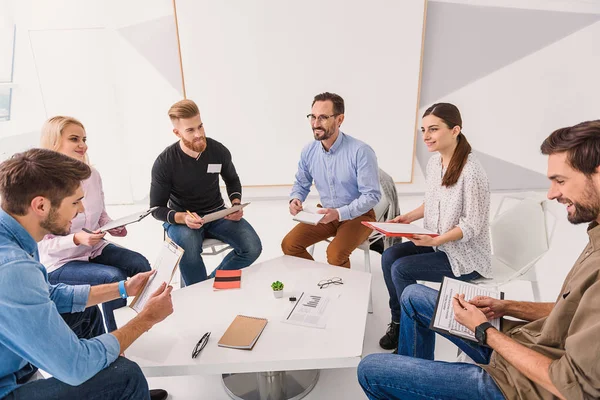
pixel 346 176
pixel 41 192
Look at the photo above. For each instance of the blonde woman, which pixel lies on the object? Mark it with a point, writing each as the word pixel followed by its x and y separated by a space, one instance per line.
pixel 82 257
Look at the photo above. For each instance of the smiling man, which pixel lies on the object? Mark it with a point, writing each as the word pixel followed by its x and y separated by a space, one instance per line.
pixel 345 173
pixel 185 177
pixel 552 353
pixel 41 193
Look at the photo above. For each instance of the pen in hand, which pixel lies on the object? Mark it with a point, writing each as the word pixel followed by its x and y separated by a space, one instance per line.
pixel 86 230
pixel 190 214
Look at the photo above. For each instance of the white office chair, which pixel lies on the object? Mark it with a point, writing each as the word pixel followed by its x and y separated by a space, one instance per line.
pixel 381 211
pixel 521 234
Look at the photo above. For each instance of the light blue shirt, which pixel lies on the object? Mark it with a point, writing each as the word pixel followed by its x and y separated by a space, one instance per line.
pixel 346 176
pixel 32 332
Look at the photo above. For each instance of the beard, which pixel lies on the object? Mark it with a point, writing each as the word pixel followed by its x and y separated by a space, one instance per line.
pixel 327 133
pixel 197 145
pixel 52 224
pixel 586 210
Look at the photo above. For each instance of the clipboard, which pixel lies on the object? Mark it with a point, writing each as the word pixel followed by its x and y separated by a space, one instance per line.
pixel 166 265
pixel 443 308
pixel 223 213
pixel 129 219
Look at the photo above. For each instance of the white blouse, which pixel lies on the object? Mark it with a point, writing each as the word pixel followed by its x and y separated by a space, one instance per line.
pixel 466 204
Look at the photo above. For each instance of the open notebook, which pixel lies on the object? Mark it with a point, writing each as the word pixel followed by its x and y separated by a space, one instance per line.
pixel 243 332
pixel 309 215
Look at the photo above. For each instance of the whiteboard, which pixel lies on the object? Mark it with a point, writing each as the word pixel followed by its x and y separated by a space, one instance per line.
pixel 253 68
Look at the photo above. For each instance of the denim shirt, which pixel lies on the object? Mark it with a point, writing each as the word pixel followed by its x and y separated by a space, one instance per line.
pixel 32 332
pixel 346 176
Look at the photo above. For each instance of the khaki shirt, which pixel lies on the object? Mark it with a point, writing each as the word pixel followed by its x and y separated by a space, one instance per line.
pixel 570 336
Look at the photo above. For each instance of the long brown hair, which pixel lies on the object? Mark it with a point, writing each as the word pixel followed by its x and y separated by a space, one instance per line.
pixel 450 116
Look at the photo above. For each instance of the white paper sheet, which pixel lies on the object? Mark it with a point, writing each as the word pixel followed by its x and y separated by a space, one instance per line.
pixel 310 310
pixel 444 317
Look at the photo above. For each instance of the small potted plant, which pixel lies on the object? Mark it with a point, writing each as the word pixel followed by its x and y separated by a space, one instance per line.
pixel 277 289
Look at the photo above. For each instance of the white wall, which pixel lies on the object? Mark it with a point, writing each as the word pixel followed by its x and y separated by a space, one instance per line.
pixel 71 60
pixel 254 67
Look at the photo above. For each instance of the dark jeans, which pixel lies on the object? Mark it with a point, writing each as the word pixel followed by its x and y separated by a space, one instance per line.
pixel 121 380
pixel 406 263
pixel 238 234
pixel 412 374
pixel 113 265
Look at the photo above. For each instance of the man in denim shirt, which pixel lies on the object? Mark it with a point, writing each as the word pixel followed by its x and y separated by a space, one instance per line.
pixel 346 175
pixel 41 192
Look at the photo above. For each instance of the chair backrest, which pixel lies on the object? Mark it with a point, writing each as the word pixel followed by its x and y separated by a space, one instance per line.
pixel 381 208
pixel 519 234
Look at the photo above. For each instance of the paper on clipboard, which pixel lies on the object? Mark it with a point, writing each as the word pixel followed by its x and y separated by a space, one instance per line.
pixel 223 213
pixel 165 266
pixel 443 318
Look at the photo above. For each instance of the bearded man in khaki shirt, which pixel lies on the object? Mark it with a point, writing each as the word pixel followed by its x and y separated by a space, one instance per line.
pixel 555 353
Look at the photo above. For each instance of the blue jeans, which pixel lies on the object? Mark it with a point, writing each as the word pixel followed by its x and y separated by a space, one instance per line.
pixel 113 265
pixel 123 379
pixel 413 374
pixel 238 234
pixel 406 263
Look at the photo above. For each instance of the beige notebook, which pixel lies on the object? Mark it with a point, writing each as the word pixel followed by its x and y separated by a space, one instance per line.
pixel 243 332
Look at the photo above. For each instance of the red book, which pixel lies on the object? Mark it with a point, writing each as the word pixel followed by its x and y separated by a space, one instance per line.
pixel 228 279
pixel 398 230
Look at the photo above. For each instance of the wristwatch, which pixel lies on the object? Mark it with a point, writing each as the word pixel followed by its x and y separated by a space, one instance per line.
pixel 480 334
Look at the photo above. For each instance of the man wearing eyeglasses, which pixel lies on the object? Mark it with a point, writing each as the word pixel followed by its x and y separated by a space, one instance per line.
pixel 345 173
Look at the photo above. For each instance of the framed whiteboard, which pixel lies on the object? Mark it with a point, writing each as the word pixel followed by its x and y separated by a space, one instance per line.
pixel 253 68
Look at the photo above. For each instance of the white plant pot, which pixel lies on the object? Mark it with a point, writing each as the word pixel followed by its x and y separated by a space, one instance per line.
pixel 278 294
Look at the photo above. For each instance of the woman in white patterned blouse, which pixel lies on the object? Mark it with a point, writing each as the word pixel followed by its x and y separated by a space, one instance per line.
pixel 457 206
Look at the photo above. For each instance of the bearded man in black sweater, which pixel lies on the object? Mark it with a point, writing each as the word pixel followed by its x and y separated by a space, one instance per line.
pixel 185 177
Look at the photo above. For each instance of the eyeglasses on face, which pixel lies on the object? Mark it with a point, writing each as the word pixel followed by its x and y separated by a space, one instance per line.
pixel 321 118
pixel 200 345
pixel 331 281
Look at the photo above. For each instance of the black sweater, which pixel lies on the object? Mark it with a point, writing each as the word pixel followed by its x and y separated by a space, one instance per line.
pixel 180 182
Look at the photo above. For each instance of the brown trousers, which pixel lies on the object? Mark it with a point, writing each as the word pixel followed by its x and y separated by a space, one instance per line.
pixel 348 235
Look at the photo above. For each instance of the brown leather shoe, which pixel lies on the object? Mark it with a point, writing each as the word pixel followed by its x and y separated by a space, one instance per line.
pixel 158 394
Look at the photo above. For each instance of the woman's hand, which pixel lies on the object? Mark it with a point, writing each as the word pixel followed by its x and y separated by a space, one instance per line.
pixel 88 239
pixel 424 240
pixel 400 219
pixel 119 232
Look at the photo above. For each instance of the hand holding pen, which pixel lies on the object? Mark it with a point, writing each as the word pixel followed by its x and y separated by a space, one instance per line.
pixel 88 238
pixel 193 220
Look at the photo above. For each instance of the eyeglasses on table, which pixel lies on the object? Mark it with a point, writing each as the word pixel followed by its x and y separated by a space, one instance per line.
pixel 330 281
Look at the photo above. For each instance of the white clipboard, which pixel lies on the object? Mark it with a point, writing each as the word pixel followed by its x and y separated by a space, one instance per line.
pixel 223 213
pixel 166 265
pixel 129 219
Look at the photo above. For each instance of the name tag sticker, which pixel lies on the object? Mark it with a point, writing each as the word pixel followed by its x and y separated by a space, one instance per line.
pixel 214 168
